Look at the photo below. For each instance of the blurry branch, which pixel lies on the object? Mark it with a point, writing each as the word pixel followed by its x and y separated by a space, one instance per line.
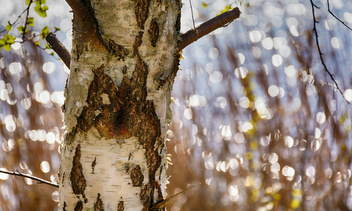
pixel 59 48
pixel 29 177
pixel 209 26
pixel 328 2
pixel 162 203
pixel 320 52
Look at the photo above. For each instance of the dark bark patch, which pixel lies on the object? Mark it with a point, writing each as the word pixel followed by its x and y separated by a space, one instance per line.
pixel 127 168
pixel 94 163
pixel 137 43
pixel 141 11
pixel 160 193
pixel 137 177
pixel 118 50
pixel 138 90
pixel 76 176
pixel 104 108
pixel 69 137
pixel 120 206
pixel 99 205
pixel 79 206
pixel 64 207
pixel 124 70
pixel 153 32
pixel 144 123
pixel 146 196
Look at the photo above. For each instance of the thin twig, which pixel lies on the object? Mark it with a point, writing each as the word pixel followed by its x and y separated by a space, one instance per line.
pixel 328 2
pixel 321 54
pixel 25 23
pixel 162 203
pixel 19 16
pixel 190 4
pixel 17 173
pixel 209 26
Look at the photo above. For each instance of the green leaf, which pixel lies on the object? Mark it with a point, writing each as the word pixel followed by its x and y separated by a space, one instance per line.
pixel 30 21
pixel 41 10
pixel 227 8
pixel 57 29
pixel 204 5
pixel 2 43
pixel 47 46
pixel 23 30
pixel 37 43
pixel 7 47
pixel 52 53
pixel 28 2
pixel 44 32
pixel 9 39
pixel 8 27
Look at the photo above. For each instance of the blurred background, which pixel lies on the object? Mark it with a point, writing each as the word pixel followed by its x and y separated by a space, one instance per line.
pixel 256 119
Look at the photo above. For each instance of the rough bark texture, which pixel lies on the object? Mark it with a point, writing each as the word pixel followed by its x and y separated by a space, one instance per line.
pixel 117 105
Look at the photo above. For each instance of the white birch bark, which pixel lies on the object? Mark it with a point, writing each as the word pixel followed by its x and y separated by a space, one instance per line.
pixel 111 169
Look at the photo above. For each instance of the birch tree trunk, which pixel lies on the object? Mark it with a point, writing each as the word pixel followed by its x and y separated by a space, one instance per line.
pixel 124 59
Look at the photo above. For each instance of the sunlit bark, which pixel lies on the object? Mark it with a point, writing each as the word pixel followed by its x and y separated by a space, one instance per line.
pixel 116 109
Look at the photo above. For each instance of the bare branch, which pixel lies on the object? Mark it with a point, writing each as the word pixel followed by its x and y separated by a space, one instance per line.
pixel 209 26
pixel 321 54
pixel 162 203
pixel 59 48
pixel 328 2
pixel 29 177
pixel 85 24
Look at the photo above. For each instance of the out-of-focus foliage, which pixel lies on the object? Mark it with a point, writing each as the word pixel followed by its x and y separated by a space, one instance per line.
pixel 30 129
pixel 257 120
pixel 23 22
pixel 31 93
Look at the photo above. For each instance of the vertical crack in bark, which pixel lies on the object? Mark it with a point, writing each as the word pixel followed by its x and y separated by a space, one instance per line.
pixel 120 206
pixel 146 196
pixel 94 163
pixel 141 11
pixel 99 205
pixel 64 207
pixel 137 43
pixel 153 32
pixel 76 176
pixel 137 177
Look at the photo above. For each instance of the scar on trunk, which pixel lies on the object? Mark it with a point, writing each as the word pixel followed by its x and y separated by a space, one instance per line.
pixel 76 176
